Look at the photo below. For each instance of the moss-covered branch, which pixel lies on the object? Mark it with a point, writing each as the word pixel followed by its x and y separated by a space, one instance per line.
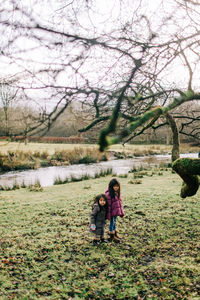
pixel 152 114
pixel 111 128
pixel 149 125
pixel 156 112
pixel 100 119
pixel 188 169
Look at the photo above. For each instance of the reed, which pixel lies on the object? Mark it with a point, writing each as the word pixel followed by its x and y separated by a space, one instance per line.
pixel 58 180
pixel 123 175
pixel 102 173
pixel 22 160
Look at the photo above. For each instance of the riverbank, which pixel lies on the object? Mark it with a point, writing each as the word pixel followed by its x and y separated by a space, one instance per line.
pixel 18 156
pixel 47 176
pixel 46 250
pixel 26 159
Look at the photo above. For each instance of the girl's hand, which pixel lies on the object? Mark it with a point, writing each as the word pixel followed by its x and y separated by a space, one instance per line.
pixel 93 227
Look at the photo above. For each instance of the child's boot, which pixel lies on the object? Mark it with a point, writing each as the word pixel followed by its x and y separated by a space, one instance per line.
pixel 113 238
pixel 116 239
pixel 96 242
pixel 117 236
pixel 103 240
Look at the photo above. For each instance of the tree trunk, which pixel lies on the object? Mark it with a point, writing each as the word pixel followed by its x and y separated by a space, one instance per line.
pixel 175 136
pixel 187 168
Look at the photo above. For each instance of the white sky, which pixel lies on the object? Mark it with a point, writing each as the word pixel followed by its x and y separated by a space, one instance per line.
pixel 105 16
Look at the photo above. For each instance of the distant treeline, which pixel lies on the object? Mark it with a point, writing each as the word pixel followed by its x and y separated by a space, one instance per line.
pixel 45 139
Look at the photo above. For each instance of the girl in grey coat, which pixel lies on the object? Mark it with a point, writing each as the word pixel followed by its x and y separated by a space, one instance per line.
pixel 98 218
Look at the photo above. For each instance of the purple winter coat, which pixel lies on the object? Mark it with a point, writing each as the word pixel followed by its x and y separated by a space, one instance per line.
pixel 115 206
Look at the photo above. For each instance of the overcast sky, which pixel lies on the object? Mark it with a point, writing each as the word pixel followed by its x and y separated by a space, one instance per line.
pixel 105 16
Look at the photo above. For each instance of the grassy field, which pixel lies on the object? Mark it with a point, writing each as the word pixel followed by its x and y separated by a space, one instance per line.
pixel 42 147
pixel 46 249
pixel 51 148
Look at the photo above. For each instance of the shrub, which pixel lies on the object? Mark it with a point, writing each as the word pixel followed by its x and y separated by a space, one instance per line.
pixel 123 176
pixel 23 185
pixel 16 186
pixel 135 181
pixel 87 159
pixel 36 187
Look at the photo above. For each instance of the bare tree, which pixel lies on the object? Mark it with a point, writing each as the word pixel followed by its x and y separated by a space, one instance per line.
pixel 8 97
pixel 130 64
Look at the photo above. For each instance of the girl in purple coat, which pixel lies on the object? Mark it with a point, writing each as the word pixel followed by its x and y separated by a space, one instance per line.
pixel 115 207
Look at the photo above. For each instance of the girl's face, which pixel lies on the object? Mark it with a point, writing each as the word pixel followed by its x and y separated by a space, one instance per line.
pixel 116 188
pixel 102 201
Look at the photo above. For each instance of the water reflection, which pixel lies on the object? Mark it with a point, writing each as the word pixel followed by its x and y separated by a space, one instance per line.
pixel 47 176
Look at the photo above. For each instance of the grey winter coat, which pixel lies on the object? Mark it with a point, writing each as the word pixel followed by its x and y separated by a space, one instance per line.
pixel 98 217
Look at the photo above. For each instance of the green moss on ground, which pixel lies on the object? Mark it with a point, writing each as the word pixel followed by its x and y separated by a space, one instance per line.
pixel 46 250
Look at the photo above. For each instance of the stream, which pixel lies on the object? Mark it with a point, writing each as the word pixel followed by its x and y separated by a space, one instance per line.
pixel 46 176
